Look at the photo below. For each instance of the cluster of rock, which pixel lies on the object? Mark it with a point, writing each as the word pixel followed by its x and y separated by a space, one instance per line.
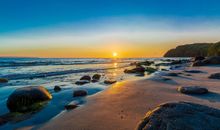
pixel 214 60
pixel 87 79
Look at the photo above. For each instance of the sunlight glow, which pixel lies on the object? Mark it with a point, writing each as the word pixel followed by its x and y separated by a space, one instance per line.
pixel 114 54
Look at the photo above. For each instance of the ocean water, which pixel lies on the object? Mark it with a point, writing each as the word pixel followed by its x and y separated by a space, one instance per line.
pixel 49 72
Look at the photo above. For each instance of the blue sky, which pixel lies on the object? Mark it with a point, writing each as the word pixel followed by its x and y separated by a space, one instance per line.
pixel 73 23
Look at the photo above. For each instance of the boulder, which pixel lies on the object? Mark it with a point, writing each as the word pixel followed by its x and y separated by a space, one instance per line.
pixel 138 69
pixel 193 90
pixel 80 93
pixel 215 76
pixel 86 77
pixel 82 82
pixel 2 80
pixel 110 81
pixel 70 106
pixel 96 77
pixel 57 88
pixel 181 116
pixel 27 98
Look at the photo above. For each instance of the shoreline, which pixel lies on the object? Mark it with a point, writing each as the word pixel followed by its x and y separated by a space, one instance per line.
pixel 124 104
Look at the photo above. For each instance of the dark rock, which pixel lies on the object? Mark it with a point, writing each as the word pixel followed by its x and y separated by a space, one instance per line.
pixel 193 90
pixel 96 77
pixel 198 58
pixel 70 106
pixel 181 116
pixel 150 70
pixel 57 88
pixel 171 74
pixel 2 80
pixel 79 93
pixel 138 69
pixel 215 76
pixel 82 82
pixel 110 81
pixel 86 77
pixel 193 71
pixel 214 60
pixel 94 80
pixel 27 98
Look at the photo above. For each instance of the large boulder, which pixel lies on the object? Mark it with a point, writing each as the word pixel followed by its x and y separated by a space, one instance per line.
pixel 181 116
pixel 192 90
pixel 215 76
pixel 27 98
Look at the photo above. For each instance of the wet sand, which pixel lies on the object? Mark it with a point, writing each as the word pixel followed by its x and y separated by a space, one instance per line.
pixel 124 104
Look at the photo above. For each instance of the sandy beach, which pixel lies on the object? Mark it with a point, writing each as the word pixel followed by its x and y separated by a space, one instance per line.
pixel 125 103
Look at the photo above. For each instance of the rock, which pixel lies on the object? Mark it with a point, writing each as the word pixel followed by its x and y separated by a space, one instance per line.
pixel 82 82
pixel 214 60
pixel 70 106
pixel 193 71
pixel 150 70
pixel 110 81
pixel 215 76
pixel 86 77
pixel 193 90
pixel 57 88
pixel 171 74
pixel 96 77
pixel 80 93
pixel 181 116
pixel 94 80
pixel 2 80
pixel 138 69
pixel 27 98
pixel 198 58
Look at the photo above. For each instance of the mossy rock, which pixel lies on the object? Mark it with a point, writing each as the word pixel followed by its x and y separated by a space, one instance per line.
pixel 28 99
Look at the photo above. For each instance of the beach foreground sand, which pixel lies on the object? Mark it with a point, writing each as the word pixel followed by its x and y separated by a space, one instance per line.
pixel 124 104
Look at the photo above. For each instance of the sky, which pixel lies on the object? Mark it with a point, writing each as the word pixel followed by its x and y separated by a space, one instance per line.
pixel 97 28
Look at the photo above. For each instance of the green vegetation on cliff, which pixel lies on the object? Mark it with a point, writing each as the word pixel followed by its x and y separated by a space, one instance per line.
pixel 196 49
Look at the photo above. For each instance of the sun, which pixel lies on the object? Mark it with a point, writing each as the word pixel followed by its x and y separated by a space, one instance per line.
pixel 114 54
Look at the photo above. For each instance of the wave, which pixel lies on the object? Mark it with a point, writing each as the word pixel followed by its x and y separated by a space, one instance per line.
pixel 54 73
pixel 19 62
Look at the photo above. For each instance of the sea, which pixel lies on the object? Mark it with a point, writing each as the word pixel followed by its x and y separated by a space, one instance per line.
pixel 63 72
